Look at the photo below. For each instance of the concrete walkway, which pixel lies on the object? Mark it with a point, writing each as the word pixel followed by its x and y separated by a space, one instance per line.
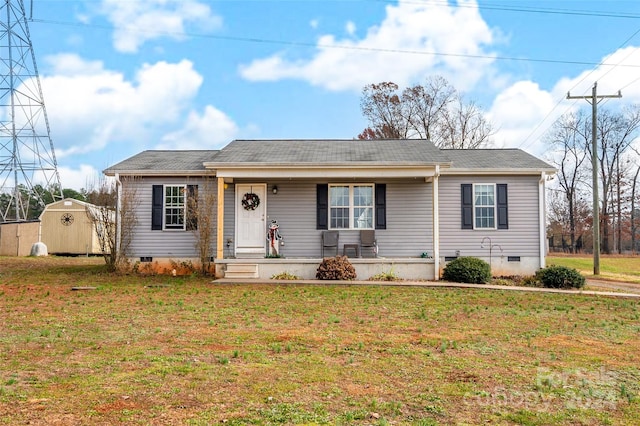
pixel 615 285
pixel 631 291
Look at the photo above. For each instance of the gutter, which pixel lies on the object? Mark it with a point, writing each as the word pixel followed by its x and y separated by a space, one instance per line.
pixel 436 223
pixel 118 213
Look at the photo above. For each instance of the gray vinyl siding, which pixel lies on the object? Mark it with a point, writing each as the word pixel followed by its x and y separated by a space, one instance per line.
pixel 162 244
pixel 409 218
pixel 409 230
pixel 229 220
pixel 521 239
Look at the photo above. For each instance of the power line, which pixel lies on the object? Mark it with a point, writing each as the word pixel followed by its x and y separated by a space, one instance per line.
pixel 337 46
pixel 525 9
pixel 628 39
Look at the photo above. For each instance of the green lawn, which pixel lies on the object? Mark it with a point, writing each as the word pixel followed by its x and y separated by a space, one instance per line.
pixel 622 268
pixel 162 350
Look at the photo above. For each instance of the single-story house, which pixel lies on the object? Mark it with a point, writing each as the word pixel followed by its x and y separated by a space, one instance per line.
pixel 425 205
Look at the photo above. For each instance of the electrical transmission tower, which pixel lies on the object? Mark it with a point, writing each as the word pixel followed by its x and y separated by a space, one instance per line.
pixel 28 170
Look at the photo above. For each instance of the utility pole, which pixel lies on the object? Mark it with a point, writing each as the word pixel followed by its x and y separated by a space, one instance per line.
pixel 593 100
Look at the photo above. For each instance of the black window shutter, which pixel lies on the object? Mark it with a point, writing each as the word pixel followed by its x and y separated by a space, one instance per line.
pixel 157 207
pixel 322 206
pixel 503 207
pixel 467 206
pixel 381 206
pixel 192 207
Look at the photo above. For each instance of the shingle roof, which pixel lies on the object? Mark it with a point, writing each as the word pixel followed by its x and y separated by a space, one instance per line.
pixel 330 152
pixel 164 161
pixel 493 159
pixel 318 152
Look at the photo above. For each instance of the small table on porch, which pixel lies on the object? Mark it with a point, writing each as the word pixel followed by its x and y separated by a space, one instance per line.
pixel 351 248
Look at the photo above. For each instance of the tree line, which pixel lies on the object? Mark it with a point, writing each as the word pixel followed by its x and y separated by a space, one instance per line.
pixel 32 200
pixel 570 206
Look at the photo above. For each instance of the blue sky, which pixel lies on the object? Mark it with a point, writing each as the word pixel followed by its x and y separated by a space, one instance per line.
pixel 122 76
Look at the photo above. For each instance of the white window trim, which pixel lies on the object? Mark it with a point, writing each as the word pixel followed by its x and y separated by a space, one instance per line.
pixel 164 208
pixel 495 207
pixel 351 205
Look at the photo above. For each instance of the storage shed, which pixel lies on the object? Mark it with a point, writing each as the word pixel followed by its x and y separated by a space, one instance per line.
pixel 16 238
pixel 67 229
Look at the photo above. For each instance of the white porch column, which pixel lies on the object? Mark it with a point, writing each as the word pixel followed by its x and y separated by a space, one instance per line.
pixel 220 221
pixel 436 224
pixel 542 208
pixel 118 238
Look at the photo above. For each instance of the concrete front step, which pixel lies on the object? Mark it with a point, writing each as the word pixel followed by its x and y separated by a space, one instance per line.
pixel 241 270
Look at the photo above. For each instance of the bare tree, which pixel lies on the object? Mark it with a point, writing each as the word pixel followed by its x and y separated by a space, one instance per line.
pixel 570 135
pixel 617 131
pixel 113 218
pixel 381 104
pixel 465 127
pixel 633 219
pixel 430 105
pixel 202 215
pixel 433 111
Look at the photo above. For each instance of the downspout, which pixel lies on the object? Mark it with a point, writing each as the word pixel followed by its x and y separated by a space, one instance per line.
pixel 436 223
pixel 542 219
pixel 118 213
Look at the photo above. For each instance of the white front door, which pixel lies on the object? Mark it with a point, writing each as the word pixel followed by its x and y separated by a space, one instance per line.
pixel 250 219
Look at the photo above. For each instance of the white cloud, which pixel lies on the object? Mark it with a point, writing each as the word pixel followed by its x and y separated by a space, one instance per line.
pixel 139 21
pixel 70 64
pixel 427 26
pixel 350 28
pixel 85 176
pixel 524 112
pixel 314 23
pixel 93 107
pixel 517 111
pixel 211 130
pixel 610 78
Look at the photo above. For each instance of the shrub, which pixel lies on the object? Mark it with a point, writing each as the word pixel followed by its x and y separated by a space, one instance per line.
pixel 285 276
pixel 385 276
pixel 525 280
pixel 336 268
pixel 467 270
pixel 560 277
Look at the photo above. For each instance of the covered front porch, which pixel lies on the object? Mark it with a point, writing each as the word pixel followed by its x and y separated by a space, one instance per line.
pixel 406 249
pixel 311 188
pixel 305 268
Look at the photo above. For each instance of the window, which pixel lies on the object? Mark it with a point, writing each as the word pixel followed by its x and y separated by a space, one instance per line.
pixel 380 205
pixel 484 206
pixel 351 206
pixel 174 207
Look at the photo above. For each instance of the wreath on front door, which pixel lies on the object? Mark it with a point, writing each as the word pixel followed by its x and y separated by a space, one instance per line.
pixel 250 201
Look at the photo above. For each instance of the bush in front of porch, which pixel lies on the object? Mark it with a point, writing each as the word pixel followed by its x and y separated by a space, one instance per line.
pixel 467 269
pixel 336 268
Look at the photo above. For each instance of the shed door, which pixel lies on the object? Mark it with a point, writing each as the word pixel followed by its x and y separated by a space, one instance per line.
pixel 250 219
